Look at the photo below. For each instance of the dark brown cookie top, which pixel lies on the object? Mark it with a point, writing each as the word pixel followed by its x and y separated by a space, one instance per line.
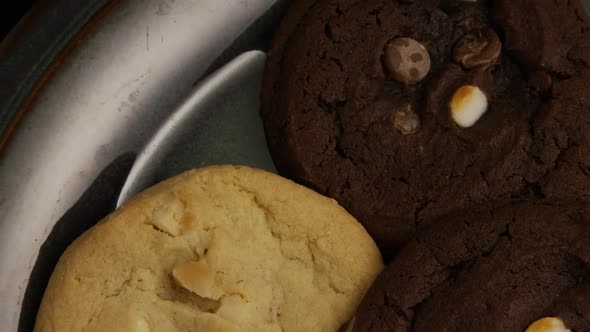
pixel 341 117
pixel 490 269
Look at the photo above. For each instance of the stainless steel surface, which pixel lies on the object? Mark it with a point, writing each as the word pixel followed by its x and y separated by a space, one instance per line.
pixel 113 92
pixel 110 95
pixel 227 102
pixel 29 49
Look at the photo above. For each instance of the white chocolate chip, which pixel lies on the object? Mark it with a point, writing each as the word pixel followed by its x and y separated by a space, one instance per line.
pixel 168 216
pixel 141 325
pixel 234 308
pixel 548 324
pixel 468 104
pixel 197 277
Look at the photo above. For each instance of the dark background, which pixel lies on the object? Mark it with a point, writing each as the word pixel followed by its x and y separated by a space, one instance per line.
pixel 11 14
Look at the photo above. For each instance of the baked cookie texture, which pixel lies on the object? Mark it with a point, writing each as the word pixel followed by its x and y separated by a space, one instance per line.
pixel 490 269
pixel 222 248
pixel 332 106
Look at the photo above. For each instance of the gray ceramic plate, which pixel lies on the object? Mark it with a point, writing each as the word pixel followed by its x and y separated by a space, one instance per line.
pixel 91 92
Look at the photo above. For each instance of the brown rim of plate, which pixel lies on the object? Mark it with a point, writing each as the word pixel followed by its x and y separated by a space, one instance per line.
pixel 55 64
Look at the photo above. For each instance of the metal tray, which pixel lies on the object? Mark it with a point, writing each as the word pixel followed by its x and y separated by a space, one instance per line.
pixel 98 82
pixel 89 102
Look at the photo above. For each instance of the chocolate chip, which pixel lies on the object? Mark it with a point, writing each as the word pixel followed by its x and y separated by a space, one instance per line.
pixel 406 121
pixel 406 60
pixel 477 48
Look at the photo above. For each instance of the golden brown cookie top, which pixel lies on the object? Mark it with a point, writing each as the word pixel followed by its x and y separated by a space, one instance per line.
pixel 221 248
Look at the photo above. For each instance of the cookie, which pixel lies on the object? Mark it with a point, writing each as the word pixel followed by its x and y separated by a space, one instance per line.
pixel 404 111
pixel 216 249
pixel 493 269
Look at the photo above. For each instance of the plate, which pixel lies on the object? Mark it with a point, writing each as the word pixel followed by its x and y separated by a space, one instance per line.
pixel 92 99
pixel 89 105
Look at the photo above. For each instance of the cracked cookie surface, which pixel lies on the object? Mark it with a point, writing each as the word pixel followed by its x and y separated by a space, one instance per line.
pixel 491 269
pixel 221 248
pixel 330 107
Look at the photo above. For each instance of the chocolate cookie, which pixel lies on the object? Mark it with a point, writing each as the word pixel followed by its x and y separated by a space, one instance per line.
pixel 493 269
pixel 406 110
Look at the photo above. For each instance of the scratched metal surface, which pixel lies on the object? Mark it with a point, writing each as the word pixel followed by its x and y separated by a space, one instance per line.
pixel 226 102
pixel 108 97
